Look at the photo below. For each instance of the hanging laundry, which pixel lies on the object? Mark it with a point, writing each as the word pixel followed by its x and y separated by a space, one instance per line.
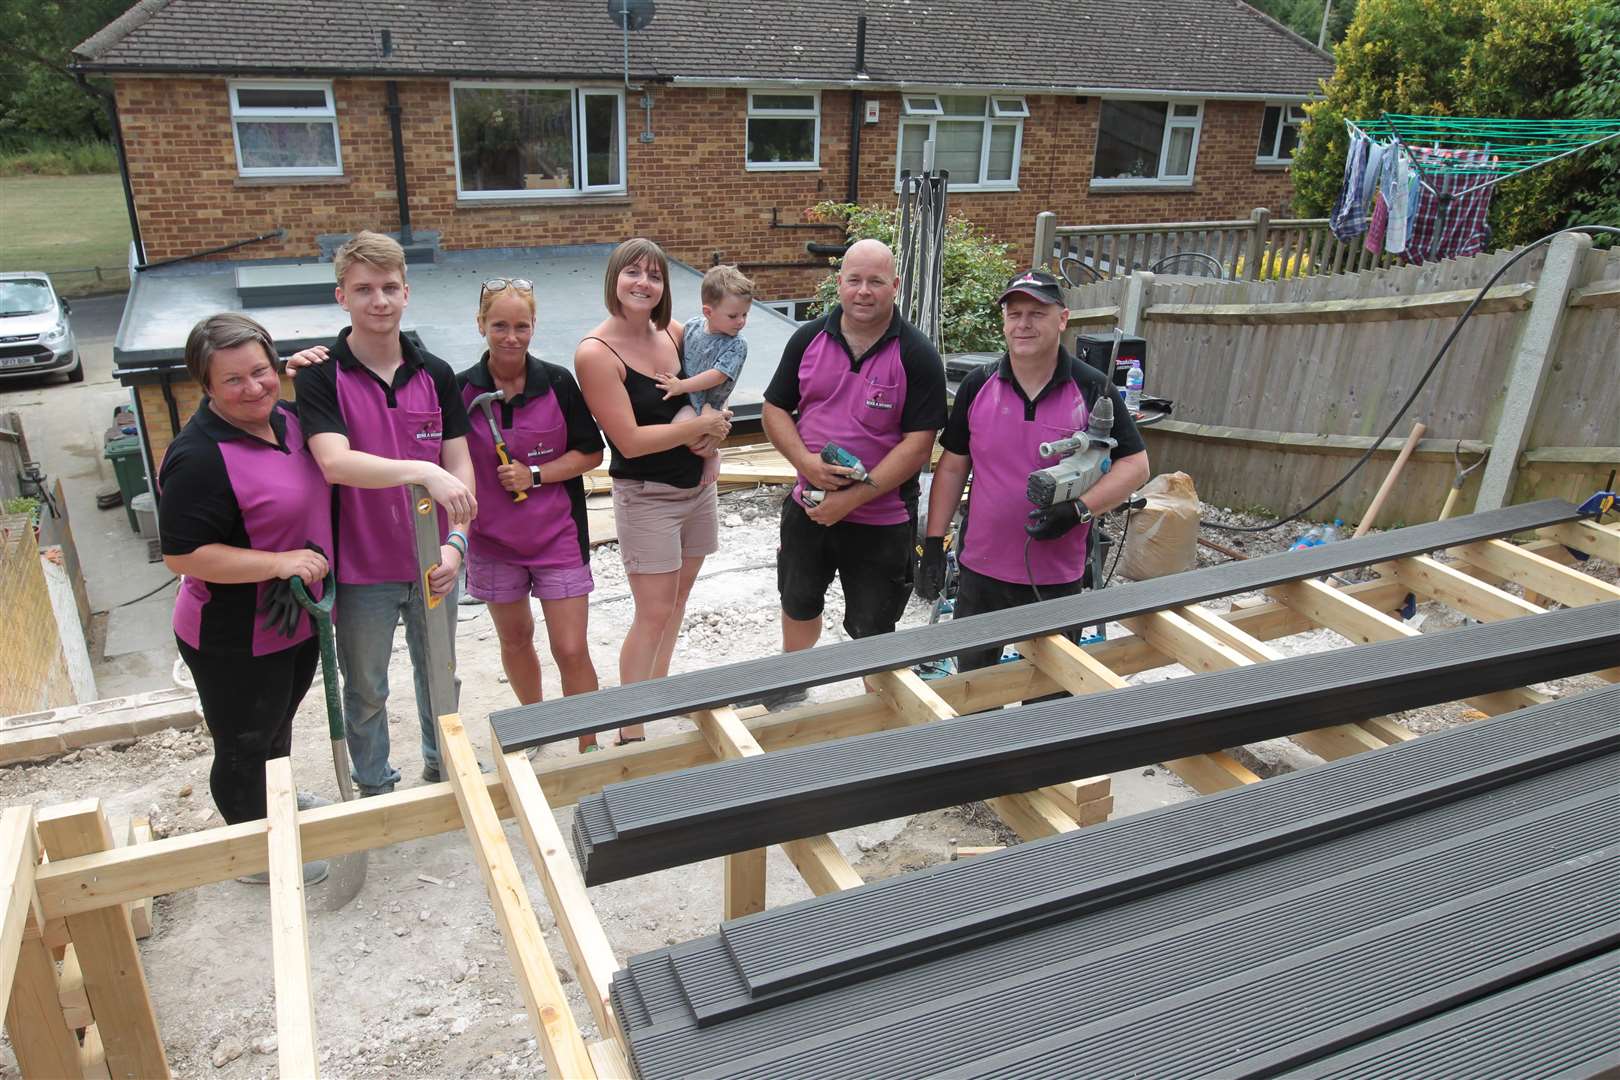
pixel 1377 154
pixel 1396 188
pixel 1445 224
pixel 1377 225
pixel 1349 217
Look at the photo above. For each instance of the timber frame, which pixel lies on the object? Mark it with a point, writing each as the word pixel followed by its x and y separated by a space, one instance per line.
pixel 69 962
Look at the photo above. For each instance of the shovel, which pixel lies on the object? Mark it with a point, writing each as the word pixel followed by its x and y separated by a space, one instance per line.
pixel 348 871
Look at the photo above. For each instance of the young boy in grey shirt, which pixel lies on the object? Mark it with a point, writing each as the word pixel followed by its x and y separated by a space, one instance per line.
pixel 714 353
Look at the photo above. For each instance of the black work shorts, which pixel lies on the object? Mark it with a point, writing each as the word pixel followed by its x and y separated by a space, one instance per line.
pixel 977 594
pixel 873 562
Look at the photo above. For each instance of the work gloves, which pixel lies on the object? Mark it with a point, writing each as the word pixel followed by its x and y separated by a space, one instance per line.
pixel 1054 521
pixel 279 607
pixel 930 568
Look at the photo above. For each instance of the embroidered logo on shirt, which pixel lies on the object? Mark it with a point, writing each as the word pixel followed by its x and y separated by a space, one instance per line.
pixel 539 451
pixel 877 400
pixel 428 433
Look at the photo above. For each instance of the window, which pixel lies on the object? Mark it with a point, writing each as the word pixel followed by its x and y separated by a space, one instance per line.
pixel 521 141
pixel 1146 142
pixel 975 139
pixel 285 129
pixel 784 130
pixel 1279 134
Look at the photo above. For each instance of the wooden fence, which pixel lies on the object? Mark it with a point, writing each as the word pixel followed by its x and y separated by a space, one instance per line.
pixel 1278 385
pixel 1251 248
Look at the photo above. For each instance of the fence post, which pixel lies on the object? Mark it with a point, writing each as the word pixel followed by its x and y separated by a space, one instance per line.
pixel 1527 375
pixel 1137 287
pixel 1257 242
pixel 1045 239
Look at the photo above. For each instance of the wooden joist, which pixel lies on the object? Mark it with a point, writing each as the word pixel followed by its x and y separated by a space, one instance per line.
pixel 289 929
pixel 184 862
pixel 1601 541
pixel 1474 598
pixel 106 949
pixel 1537 573
pixel 1032 814
pixel 1079 672
pixel 40 1036
pixel 560 1042
pixel 19 905
pixel 582 932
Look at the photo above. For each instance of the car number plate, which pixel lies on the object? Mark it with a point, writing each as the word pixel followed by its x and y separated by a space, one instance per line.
pixel 16 361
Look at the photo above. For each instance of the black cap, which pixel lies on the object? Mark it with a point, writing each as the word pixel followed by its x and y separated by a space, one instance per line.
pixel 1037 283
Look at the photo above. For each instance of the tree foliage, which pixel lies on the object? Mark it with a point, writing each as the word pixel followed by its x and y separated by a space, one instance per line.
pixel 38 96
pixel 1500 58
pixel 976 269
pixel 1597 97
pixel 1304 17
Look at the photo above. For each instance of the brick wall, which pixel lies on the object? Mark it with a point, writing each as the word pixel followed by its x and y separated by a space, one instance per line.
pixel 33 669
pixel 688 189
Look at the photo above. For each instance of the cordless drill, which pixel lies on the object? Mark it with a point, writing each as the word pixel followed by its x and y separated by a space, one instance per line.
pixel 1085 460
pixel 833 454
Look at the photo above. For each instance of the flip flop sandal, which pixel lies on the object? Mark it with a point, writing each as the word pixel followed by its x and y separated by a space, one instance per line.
pixel 623 741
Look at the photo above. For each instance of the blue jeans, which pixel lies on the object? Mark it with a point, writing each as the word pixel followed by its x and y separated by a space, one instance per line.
pixel 366 616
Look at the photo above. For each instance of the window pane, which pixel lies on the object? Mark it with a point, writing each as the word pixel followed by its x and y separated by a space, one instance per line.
pixel 1179 161
pixel 956 149
pixel 804 102
pixel 1002 139
pixel 280 98
pixel 1268 131
pixel 602 141
pixel 284 145
pixel 960 105
pixel 922 105
pixel 912 138
pixel 781 140
pixel 1187 110
pixel 515 140
pixel 1290 139
pixel 1130 135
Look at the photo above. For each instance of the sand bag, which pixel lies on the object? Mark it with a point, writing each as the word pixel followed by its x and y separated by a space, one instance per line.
pixel 1163 536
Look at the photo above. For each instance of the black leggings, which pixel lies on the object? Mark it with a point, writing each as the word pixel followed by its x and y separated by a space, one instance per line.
pixel 248 703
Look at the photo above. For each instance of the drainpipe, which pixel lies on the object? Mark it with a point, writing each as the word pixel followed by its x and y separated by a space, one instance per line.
pixel 857 102
pixel 110 102
pixel 400 188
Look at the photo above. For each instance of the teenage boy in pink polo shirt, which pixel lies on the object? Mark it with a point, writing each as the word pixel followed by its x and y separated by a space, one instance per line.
pixel 1037 393
pixel 382 414
pixel 863 378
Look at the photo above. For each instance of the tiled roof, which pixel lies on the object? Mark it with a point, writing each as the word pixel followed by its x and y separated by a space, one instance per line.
pixel 1078 46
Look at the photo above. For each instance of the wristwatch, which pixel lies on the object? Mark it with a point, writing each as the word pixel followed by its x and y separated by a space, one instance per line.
pixel 1082 513
pixel 534 476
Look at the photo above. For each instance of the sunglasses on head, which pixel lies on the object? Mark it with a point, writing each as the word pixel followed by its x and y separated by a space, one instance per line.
pixel 499 283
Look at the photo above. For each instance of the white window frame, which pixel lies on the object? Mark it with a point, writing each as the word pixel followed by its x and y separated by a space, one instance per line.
pixel 929 110
pixel 1282 120
pixel 288 115
pixel 1172 122
pixel 813 113
pixel 580 92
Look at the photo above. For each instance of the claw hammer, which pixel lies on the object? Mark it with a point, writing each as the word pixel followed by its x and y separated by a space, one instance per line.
pixel 482 401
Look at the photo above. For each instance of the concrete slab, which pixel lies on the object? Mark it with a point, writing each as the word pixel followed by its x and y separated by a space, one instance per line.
pixel 140 627
pixel 166 302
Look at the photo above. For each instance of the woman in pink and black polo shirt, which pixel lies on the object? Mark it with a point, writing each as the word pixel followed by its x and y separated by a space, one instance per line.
pixel 539 546
pixel 243 506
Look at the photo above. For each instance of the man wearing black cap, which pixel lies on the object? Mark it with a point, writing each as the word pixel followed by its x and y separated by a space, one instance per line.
pixel 1011 554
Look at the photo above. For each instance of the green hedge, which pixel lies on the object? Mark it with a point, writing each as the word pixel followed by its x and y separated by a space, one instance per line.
pixel 44 156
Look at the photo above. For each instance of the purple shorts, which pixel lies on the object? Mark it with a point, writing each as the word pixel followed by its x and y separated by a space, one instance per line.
pixel 496 582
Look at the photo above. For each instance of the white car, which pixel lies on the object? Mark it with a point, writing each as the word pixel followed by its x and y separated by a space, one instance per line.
pixel 36 337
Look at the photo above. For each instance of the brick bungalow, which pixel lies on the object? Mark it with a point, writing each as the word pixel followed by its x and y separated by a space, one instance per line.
pixel 517 125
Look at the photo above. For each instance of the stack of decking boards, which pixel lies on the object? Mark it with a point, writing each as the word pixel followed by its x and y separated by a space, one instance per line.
pixel 1448 907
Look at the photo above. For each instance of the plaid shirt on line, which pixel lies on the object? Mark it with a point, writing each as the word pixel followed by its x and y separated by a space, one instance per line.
pixel 1447 226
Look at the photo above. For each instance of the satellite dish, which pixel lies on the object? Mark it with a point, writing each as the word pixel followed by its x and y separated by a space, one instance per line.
pixel 631 14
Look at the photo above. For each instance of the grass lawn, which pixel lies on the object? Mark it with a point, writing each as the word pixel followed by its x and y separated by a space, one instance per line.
pixel 57 223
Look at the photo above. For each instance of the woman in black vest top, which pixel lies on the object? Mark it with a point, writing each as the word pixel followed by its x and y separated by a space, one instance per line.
pixel 666 517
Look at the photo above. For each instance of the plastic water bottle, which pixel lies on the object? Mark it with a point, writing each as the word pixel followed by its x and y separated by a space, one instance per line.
pixel 1333 532
pixel 1312 538
pixel 1133 386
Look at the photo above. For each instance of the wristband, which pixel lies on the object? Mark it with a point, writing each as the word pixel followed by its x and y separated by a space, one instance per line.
pixel 458 545
pixel 458 540
pixel 534 476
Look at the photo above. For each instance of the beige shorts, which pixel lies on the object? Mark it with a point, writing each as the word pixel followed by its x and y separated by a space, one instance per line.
pixel 660 525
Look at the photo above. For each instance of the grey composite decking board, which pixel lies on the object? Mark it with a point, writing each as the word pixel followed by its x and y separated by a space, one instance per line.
pixel 530 725
pixel 909 1023
pixel 1563 1025
pixel 1280 1014
pixel 643 825
pixel 1033 995
pixel 1393 793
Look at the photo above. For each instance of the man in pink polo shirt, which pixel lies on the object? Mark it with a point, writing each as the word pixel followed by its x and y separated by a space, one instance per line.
pixel 1010 554
pixel 863 378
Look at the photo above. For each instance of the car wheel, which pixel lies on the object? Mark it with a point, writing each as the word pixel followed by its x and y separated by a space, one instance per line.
pixel 77 374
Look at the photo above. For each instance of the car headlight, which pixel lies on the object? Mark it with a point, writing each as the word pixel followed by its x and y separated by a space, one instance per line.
pixel 55 335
